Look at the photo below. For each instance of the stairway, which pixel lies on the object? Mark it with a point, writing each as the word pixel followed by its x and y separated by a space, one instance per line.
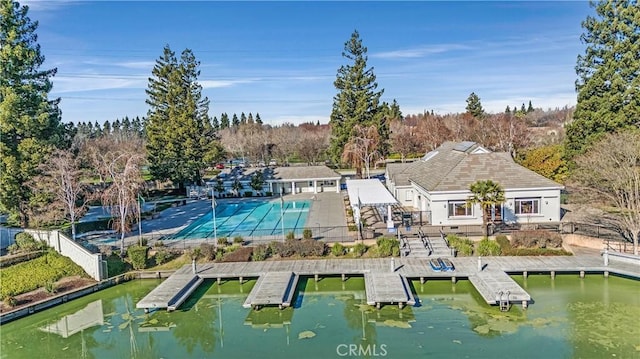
pixel 439 246
pixel 418 250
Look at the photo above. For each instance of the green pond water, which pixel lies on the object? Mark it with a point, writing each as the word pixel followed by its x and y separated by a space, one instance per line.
pixel 594 317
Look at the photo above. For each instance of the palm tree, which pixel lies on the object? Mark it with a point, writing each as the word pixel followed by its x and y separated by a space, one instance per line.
pixel 257 181
pixel 487 194
pixel 236 187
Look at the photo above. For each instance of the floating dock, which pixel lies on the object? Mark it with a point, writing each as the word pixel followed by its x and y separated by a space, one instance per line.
pixel 392 288
pixel 277 279
pixel 171 293
pixel 272 289
pixel 496 287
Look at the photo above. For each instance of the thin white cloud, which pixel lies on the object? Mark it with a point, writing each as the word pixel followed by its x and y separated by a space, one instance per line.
pixel 64 84
pixel 46 5
pixel 420 51
pixel 144 65
pixel 208 84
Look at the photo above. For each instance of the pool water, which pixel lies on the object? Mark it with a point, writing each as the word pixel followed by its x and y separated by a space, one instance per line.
pixel 250 218
pixel 594 317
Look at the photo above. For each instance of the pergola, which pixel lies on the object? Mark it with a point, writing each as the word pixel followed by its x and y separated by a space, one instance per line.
pixel 370 192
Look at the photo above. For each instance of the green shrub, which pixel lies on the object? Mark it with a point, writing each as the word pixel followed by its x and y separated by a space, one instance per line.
pixel 387 247
pixel 223 241
pixel 51 287
pixel 208 251
pixel 162 256
pixel 10 301
pixel 487 247
pixel 25 242
pixel 307 233
pixel 268 194
pixel 238 240
pixel 291 235
pixel 337 249
pixel 463 246
pixel 159 244
pixel 115 265
pixel 352 227
pixel 138 256
pixel 359 249
pixel 260 253
pixel 27 276
pixel 248 194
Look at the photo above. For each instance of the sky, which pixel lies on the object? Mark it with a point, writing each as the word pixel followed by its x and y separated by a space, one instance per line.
pixel 280 59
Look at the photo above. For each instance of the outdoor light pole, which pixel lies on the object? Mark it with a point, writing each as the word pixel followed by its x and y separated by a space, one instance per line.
pixel 282 212
pixel 213 210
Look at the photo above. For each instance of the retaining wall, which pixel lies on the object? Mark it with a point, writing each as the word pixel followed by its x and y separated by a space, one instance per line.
pixel 92 263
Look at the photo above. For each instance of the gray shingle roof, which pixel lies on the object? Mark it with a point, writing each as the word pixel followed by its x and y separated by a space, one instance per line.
pixel 451 169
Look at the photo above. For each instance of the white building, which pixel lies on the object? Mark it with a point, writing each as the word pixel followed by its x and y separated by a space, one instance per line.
pixel 439 185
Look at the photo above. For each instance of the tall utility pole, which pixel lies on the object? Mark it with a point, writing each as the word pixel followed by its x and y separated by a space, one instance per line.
pixel 213 210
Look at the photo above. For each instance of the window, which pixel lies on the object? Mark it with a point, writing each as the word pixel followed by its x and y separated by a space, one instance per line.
pixel 460 209
pixel 408 195
pixel 527 206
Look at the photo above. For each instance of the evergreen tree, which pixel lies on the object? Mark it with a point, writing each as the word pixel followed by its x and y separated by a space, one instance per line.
pixel 507 110
pixel 106 128
pixel 357 101
pixel 530 108
pixel 97 130
pixel 126 125
pixel 224 121
pixel 29 122
pixel 215 123
pixel 474 107
pixel 258 119
pixel 115 127
pixel 608 72
pixel 243 119
pixel 136 126
pixel 235 122
pixel 180 139
pixel 523 109
pixel 250 119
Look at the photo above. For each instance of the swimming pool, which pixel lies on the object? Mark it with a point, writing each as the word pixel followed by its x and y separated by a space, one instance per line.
pixel 249 218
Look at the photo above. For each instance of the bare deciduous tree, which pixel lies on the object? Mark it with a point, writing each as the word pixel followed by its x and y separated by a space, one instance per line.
pixel 313 143
pixel 62 178
pixel 362 149
pixel 122 164
pixel 404 139
pixel 610 171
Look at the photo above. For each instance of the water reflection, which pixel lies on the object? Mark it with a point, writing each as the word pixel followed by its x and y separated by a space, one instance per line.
pixel 85 318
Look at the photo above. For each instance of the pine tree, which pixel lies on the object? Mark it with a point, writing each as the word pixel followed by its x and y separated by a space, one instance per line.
pixel 608 72
pixel 215 123
pixel 29 121
pixel 258 120
pixel 106 128
pixel 474 107
pixel 235 122
pixel 507 110
pixel 224 121
pixel 357 101
pixel 523 109
pixel 530 108
pixel 250 119
pixel 180 139
pixel 243 119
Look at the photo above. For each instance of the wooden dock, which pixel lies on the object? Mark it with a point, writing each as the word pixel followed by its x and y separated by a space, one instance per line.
pixel 277 279
pixel 171 293
pixel 392 288
pixel 496 287
pixel 272 288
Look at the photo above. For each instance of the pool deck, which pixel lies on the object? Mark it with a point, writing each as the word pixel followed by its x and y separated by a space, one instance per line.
pixel 385 286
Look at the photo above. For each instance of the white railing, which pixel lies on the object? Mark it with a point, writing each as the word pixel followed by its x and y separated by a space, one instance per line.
pixel 92 263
